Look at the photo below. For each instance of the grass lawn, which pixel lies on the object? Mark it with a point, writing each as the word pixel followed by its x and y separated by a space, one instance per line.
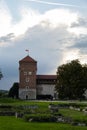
pixel 76 115
pixel 11 123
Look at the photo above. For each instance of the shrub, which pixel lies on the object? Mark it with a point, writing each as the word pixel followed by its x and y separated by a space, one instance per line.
pixel 40 118
pixel 5 106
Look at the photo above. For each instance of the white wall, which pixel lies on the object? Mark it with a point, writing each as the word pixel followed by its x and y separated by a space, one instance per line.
pixel 30 93
pixel 85 94
pixel 45 89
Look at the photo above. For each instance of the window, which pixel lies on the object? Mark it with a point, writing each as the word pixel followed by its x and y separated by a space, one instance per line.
pixel 30 73
pixel 27 79
pixel 25 73
pixel 27 87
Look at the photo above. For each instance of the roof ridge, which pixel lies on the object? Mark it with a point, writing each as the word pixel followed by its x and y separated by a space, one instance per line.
pixel 46 76
pixel 27 59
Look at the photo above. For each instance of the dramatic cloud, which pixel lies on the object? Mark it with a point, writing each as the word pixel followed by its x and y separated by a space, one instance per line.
pixel 5 19
pixel 60 16
pixel 5 40
pixel 53 38
pixel 81 22
pixel 30 18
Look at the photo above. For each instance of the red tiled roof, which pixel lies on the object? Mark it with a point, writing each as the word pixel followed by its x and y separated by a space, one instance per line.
pixel 46 76
pixel 27 59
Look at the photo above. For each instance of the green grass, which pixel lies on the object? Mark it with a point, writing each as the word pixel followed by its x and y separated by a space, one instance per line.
pixel 41 103
pixel 75 115
pixel 11 123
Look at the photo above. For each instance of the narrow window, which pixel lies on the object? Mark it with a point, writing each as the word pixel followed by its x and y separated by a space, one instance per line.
pixel 25 73
pixel 30 73
pixel 27 79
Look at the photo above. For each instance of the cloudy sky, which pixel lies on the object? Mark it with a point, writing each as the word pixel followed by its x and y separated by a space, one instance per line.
pixel 54 31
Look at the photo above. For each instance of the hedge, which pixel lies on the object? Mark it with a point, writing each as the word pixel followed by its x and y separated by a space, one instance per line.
pixel 40 118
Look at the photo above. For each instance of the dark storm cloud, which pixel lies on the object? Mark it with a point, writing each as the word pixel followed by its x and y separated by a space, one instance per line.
pixel 82 22
pixel 80 43
pixel 46 45
pixel 7 38
pixel 42 43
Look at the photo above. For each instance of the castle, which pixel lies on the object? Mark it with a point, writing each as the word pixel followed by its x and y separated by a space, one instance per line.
pixel 33 86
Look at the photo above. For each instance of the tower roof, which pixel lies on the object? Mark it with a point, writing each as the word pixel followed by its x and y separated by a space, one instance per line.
pixel 27 59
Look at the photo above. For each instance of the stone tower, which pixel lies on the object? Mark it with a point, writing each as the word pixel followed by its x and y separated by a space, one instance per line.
pixel 27 78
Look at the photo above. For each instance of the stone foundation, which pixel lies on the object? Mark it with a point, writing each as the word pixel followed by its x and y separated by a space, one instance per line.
pixel 27 94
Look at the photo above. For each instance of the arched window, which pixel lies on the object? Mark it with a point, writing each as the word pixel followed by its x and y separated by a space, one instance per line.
pixel 27 79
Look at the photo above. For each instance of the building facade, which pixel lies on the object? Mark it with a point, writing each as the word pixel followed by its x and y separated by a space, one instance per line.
pixel 46 86
pixel 33 86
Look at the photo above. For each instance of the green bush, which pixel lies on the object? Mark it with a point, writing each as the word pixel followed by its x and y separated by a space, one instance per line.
pixel 39 118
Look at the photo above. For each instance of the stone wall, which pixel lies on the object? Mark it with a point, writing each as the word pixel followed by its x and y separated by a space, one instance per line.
pixel 46 89
pixel 29 94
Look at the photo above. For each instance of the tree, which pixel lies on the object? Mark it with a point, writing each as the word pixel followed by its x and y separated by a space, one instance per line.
pixel 13 92
pixel 1 75
pixel 71 80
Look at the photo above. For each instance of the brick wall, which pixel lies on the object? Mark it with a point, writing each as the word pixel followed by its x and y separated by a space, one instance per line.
pixel 27 75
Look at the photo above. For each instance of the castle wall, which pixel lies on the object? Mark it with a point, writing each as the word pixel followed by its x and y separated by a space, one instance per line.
pixel 46 89
pixel 27 75
pixel 28 94
pixel 27 78
pixel 30 84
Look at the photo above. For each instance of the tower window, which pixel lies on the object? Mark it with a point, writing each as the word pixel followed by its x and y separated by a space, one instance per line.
pixel 27 79
pixel 25 73
pixel 27 87
pixel 30 73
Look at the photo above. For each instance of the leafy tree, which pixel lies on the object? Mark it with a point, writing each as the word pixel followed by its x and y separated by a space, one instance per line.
pixel 1 75
pixel 13 92
pixel 71 80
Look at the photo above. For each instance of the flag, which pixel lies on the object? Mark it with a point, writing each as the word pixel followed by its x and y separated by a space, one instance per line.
pixel 27 51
